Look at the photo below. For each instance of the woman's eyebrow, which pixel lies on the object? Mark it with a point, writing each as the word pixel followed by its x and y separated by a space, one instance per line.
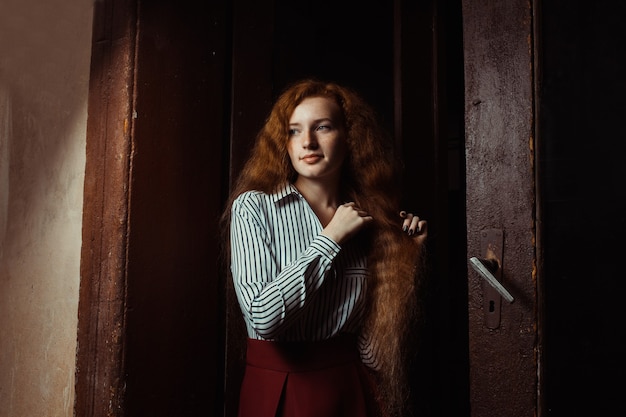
pixel 316 121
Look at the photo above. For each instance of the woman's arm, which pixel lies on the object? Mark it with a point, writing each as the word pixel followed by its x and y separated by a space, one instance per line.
pixel 271 297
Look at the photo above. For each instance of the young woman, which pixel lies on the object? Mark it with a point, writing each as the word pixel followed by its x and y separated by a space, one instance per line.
pixel 324 275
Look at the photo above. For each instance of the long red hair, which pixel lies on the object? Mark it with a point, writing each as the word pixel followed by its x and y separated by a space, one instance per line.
pixel 370 179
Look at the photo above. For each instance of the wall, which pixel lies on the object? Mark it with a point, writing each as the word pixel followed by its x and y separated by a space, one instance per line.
pixel 44 70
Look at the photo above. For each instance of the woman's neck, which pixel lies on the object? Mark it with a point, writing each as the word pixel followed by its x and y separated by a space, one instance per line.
pixel 323 197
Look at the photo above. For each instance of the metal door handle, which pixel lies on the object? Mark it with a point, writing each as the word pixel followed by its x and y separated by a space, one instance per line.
pixel 486 268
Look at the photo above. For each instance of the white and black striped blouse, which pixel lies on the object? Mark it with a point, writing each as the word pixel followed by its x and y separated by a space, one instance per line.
pixel 292 283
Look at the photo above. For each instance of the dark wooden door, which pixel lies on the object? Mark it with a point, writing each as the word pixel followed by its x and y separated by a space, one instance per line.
pixel 545 138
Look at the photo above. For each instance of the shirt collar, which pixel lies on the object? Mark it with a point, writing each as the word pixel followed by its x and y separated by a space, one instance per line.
pixel 285 191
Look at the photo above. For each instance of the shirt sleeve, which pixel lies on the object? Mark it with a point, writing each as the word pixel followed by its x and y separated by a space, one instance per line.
pixel 369 352
pixel 270 297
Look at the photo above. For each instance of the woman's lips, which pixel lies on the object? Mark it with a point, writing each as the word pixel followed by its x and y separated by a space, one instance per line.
pixel 311 159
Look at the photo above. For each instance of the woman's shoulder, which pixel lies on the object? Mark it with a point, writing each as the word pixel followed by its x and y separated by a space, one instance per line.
pixel 254 206
pixel 249 200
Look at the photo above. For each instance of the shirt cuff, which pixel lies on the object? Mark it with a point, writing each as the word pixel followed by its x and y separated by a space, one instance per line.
pixel 326 246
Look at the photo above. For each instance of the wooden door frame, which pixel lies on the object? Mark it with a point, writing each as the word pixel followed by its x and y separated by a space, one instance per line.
pixel 141 238
pixel 102 299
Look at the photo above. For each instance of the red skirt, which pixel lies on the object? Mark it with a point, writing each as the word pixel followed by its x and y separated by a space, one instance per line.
pixel 293 379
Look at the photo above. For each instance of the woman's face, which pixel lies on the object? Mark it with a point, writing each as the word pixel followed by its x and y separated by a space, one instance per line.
pixel 317 143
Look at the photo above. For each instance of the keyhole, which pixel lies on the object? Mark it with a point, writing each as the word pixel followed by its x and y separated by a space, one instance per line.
pixel 492 306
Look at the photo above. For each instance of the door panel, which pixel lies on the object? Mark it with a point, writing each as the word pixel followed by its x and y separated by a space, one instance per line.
pixel 499 123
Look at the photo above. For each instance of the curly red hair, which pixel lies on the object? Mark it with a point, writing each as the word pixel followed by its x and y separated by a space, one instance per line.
pixel 370 179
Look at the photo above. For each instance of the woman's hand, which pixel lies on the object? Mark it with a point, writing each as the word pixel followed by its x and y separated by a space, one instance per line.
pixel 414 226
pixel 346 222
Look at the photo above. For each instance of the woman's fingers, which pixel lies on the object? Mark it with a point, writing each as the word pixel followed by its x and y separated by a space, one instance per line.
pixel 422 227
pixel 407 224
pixel 346 222
pixel 352 205
pixel 412 224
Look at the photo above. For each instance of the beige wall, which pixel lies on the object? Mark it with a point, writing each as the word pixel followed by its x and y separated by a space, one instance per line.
pixel 45 48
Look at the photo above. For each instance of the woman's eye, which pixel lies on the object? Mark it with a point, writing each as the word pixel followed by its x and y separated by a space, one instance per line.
pixel 323 127
pixel 293 132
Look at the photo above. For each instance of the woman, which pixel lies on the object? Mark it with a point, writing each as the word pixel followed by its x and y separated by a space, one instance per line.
pixel 324 276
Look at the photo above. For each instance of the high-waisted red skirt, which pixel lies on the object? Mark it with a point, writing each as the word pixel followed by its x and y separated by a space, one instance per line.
pixel 318 379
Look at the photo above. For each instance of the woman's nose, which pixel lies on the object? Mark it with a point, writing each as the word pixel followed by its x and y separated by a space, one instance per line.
pixel 309 141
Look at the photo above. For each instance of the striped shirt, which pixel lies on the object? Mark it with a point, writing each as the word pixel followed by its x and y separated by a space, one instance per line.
pixel 293 283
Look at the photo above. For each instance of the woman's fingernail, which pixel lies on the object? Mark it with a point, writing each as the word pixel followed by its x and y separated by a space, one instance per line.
pixel 405 228
pixel 411 232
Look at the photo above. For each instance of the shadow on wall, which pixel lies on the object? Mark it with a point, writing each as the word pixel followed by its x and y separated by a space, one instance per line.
pixel 45 50
pixel 45 53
